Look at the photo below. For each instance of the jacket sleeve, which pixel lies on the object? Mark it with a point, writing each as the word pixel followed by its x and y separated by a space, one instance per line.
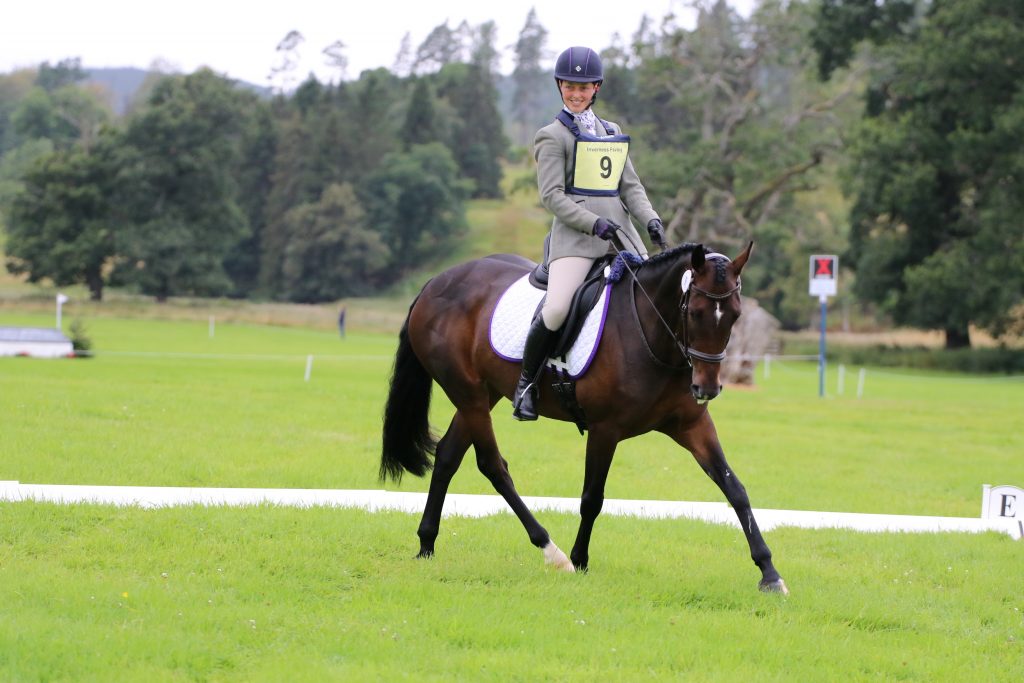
pixel 551 169
pixel 633 194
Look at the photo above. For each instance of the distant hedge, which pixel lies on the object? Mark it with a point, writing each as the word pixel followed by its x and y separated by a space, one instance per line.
pixel 999 360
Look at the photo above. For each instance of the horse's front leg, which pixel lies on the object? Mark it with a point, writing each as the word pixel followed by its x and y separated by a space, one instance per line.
pixel 701 439
pixel 600 451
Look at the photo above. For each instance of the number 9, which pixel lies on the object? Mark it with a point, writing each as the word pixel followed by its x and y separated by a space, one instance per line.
pixel 606 167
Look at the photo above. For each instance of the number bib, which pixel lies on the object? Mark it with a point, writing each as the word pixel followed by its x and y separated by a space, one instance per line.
pixel 599 166
pixel 598 162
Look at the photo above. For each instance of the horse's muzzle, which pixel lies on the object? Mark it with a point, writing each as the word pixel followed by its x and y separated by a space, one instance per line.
pixel 703 393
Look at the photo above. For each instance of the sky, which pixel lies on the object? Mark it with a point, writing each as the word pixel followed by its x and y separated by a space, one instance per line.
pixel 239 39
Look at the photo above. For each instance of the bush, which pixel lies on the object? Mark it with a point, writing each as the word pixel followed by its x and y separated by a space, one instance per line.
pixel 80 340
pixel 999 360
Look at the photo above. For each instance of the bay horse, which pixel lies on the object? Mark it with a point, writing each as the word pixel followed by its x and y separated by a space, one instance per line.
pixel 656 368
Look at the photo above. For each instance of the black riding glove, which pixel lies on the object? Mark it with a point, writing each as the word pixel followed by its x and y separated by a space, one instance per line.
pixel 657 232
pixel 605 229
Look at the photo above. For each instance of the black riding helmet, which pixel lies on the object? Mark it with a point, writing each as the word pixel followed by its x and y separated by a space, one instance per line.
pixel 579 65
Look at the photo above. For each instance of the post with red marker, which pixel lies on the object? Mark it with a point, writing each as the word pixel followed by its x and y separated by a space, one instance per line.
pixel 824 270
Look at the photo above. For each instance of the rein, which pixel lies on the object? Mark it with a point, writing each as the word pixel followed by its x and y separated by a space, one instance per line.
pixel 684 303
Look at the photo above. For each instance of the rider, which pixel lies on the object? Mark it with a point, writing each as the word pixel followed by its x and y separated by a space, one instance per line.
pixel 587 181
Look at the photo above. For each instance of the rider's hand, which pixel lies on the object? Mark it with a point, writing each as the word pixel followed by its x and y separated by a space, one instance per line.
pixel 657 232
pixel 605 229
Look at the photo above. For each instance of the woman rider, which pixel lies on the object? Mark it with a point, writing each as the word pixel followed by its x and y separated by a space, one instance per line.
pixel 587 181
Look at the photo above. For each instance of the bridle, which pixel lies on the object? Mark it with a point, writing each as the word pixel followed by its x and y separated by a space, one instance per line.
pixel 684 306
pixel 689 353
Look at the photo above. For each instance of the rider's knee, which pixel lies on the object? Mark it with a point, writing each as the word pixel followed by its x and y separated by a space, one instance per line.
pixel 554 314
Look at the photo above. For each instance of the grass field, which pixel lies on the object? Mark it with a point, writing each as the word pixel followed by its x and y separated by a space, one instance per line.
pixel 264 593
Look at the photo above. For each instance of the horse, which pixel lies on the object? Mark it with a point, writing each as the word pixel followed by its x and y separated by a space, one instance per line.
pixel 656 368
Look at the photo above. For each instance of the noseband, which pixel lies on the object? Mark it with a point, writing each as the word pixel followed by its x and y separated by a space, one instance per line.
pixel 689 353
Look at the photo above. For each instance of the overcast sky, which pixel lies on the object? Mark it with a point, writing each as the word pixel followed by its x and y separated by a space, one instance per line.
pixel 239 38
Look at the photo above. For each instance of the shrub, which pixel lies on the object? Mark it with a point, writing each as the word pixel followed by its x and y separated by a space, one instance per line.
pixel 80 340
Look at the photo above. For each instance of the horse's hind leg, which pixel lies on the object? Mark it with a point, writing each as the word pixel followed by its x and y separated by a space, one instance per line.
pixel 447 459
pixel 701 440
pixel 493 466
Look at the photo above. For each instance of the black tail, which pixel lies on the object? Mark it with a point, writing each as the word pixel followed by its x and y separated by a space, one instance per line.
pixel 408 442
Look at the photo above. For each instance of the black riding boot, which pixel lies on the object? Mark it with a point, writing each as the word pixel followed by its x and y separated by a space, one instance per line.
pixel 539 341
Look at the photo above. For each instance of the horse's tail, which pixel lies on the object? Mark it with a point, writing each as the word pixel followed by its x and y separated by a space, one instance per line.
pixel 408 442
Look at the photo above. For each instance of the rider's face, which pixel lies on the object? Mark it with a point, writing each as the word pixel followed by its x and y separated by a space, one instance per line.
pixel 577 96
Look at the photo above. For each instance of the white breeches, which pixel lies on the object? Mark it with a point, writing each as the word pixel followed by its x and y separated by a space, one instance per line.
pixel 565 275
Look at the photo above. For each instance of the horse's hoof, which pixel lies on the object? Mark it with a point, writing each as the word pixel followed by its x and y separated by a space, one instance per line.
pixel 776 586
pixel 424 554
pixel 554 556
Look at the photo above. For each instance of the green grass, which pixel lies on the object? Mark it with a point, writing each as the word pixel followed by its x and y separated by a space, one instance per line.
pixel 263 593
pixel 238 413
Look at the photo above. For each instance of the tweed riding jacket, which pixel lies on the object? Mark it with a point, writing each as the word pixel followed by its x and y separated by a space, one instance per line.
pixel 575 214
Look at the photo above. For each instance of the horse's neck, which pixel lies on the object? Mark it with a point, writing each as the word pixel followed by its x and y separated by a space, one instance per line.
pixel 662 283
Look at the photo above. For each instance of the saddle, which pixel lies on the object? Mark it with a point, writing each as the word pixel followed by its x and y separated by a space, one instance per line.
pixel 583 300
pixel 580 334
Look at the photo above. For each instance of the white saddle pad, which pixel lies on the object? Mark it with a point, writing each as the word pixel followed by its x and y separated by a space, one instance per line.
pixel 514 313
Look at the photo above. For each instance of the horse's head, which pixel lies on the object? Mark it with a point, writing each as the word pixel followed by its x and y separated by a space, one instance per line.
pixel 710 306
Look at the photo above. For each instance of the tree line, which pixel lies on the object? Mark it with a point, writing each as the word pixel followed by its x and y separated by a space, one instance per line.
pixel 206 189
pixel 885 132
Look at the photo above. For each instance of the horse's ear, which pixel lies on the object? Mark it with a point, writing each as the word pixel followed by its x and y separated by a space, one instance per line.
pixel 741 260
pixel 697 257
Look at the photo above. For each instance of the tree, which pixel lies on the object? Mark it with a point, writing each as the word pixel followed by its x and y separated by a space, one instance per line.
pixel 13 89
pixel 292 183
pixel 334 57
pixel 477 142
pixel 66 72
pixel 936 173
pixel 403 59
pixel 330 253
pixel 483 53
pixel 730 128
pixel 254 176
pixel 415 201
pixel 59 227
pixel 533 88
pixel 372 113
pixel 282 75
pixel 841 25
pixel 57 108
pixel 442 46
pixel 176 197
pixel 420 125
